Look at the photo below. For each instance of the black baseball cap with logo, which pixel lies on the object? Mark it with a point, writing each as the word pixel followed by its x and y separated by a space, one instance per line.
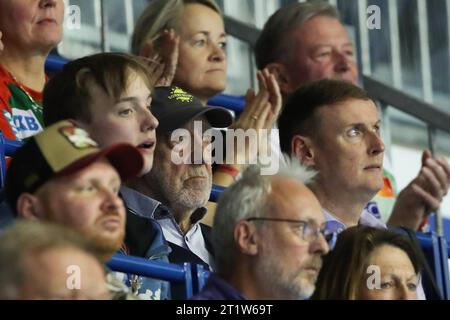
pixel 62 150
pixel 174 108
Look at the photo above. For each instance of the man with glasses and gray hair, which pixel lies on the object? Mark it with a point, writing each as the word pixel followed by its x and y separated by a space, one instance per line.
pixel 268 238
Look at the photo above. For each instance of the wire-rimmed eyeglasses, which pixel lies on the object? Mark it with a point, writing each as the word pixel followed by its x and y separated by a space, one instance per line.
pixel 306 230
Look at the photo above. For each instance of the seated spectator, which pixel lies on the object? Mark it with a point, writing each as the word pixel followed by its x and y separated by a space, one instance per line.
pixel 109 95
pixel 268 238
pixel 303 42
pixel 334 127
pixel 370 264
pixel 183 187
pixel 38 261
pixel 201 40
pixel 315 45
pixel 61 176
pixel 190 36
pixel 31 29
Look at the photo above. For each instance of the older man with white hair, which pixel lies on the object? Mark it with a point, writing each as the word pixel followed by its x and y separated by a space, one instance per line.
pixel 181 177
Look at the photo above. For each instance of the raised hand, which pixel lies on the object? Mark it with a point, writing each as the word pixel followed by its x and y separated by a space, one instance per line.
pixel 424 194
pixel 163 60
pixel 262 109
pixel 260 114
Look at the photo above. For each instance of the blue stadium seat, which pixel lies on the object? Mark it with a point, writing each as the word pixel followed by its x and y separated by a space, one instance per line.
pixel 215 193
pixel 54 63
pixel 233 103
pixel 154 269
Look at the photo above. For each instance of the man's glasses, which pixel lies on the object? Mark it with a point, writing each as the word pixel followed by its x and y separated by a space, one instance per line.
pixel 305 230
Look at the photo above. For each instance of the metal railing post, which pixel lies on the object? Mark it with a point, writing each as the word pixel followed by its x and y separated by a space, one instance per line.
pixel 104 27
pixel 394 38
pixel 425 60
pixel 364 38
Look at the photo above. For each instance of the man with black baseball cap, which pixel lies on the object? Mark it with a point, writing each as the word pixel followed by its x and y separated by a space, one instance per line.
pixel 183 188
pixel 174 108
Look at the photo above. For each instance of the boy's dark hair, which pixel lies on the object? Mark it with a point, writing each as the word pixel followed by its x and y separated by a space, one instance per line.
pixel 67 96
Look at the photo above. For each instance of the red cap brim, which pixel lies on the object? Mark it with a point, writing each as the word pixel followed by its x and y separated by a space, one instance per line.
pixel 124 157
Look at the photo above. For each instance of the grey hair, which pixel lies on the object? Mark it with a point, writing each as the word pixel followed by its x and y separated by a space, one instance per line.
pixel 272 45
pixel 160 15
pixel 247 198
pixel 26 238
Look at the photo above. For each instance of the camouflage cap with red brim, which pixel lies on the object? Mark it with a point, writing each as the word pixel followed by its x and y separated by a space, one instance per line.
pixel 60 150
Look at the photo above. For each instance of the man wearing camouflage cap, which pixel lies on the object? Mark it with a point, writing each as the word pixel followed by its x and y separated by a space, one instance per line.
pixel 61 176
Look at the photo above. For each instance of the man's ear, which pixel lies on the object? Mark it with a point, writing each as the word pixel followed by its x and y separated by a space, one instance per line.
pixel 147 50
pixel 246 238
pixel 29 207
pixel 302 149
pixel 281 73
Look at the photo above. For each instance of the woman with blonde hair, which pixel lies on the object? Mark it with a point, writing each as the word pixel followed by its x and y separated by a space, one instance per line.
pixel 191 32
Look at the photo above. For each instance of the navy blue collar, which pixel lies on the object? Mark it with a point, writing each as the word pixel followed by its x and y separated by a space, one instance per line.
pixel 139 203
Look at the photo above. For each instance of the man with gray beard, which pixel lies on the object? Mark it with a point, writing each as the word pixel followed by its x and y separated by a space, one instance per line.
pixel 268 238
pixel 181 177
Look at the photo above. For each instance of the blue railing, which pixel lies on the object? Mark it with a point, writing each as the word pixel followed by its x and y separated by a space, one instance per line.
pixel 199 275
pixel 192 276
pixel 155 269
